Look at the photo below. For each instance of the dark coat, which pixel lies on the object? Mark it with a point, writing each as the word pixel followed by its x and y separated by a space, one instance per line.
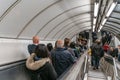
pixel 31 48
pixel 46 72
pixel 61 60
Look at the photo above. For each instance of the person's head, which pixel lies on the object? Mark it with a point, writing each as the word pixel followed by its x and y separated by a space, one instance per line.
pixel 49 46
pixel 111 48
pixel 119 46
pixel 35 39
pixel 66 42
pixel 59 44
pixel 72 44
pixel 98 41
pixel 41 51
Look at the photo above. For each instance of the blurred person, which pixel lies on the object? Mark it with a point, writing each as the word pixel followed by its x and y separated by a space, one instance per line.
pixel 67 46
pixel 97 53
pixel 106 47
pixel 61 58
pixel 41 69
pixel 31 47
pixel 50 47
pixel 113 51
pixel 73 47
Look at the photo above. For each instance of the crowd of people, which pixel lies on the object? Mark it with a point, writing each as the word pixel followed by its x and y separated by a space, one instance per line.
pixel 101 46
pixel 47 62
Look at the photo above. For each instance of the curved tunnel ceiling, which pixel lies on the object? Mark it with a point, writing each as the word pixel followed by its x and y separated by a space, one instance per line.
pixel 113 23
pixel 49 19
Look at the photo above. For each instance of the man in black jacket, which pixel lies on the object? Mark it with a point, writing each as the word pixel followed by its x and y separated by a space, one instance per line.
pixel 61 58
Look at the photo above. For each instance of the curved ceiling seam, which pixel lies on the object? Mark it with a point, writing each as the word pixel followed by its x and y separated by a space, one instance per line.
pixel 78 15
pixel 68 25
pixel 110 31
pixel 76 31
pixel 112 25
pixel 15 38
pixel 112 28
pixel 116 12
pixel 60 22
pixel 34 17
pixel 74 27
pixel 114 18
pixel 76 34
pixel 107 29
pixel 57 17
pixel 113 22
pixel 9 9
pixel 70 30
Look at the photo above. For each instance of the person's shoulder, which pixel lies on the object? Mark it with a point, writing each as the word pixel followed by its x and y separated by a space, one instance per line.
pixel 30 45
pixel 41 44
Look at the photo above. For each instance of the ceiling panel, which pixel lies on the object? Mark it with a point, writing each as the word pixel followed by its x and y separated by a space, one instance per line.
pixel 114 14
pixel 73 33
pixel 52 24
pixel 114 20
pixel 113 24
pixel 117 8
pixel 64 26
pixel 3 7
pixel 108 25
pixel 48 19
pixel 113 28
pixel 13 23
pixel 65 31
pixel 40 22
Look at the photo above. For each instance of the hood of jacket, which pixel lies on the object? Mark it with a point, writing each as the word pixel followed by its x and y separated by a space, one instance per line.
pixel 34 65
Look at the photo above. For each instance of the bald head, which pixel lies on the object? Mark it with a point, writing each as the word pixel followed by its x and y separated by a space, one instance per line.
pixel 35 39
pixel 59 44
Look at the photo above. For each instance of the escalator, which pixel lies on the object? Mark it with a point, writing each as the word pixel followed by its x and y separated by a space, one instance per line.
pixel 95 74
pixel 82 70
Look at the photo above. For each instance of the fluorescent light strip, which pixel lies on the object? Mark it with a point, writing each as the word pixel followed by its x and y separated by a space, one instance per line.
pixel 93 28
pixel 111 9
pixel 104 21
pixel 94 21
pixel 100 28
pixel 96 6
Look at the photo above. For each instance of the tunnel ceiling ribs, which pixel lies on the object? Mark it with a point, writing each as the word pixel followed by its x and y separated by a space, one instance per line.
pixel 74 15
pixel 60 15
pixel 108 26
pixel 73 27
pixel 69 34
pixel 36 17
pixel 62 21
pixel 9 9
pixel 113 20
pixel 108 15
pixel 111 30
pixel 65 26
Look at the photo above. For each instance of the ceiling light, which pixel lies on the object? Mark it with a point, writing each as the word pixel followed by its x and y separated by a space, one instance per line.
pixel 96 6
pixel 93 28
pixel 94 21
pixel 111 9
pixel 104 21
pixel 100 28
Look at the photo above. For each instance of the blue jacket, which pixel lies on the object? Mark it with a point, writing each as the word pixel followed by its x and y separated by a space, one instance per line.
pixel 31 48
pixel 61 60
